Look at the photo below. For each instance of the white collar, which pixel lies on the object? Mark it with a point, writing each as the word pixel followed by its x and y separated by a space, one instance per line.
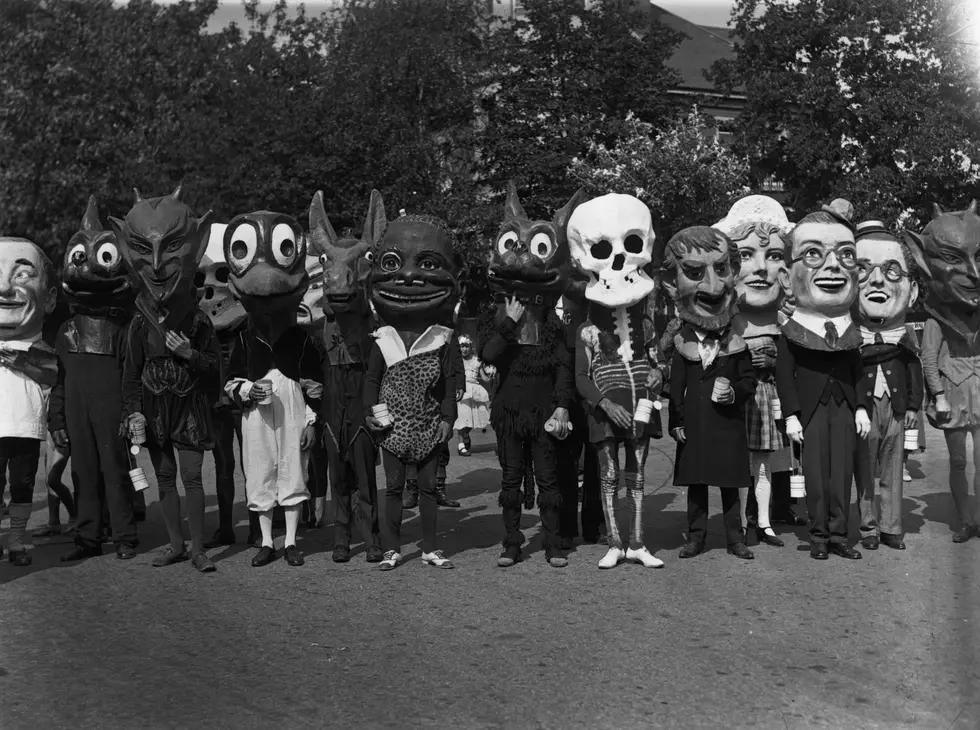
pixel 393 348
pixel 816 323
pixel 890 337
pixel 22 345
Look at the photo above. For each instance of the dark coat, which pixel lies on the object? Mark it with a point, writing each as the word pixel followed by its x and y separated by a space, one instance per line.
pixel 903 374
pixel 716 450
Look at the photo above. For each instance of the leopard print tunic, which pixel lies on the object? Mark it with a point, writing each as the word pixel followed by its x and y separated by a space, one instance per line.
pixel 406 389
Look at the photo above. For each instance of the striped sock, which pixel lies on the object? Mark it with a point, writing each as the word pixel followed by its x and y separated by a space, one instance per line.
pixel 609 488
pixel 634 489
pixel 19 515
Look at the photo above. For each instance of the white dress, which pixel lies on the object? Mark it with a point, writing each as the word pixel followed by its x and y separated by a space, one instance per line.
pixel 473 410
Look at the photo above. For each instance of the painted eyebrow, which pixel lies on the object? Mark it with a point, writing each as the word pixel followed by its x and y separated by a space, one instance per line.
pixel 821 243
pixel 25 262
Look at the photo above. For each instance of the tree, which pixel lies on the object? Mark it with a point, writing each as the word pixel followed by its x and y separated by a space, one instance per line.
pixel 875 101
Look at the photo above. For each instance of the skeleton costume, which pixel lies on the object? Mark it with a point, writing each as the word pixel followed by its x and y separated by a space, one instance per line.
pixel 611 238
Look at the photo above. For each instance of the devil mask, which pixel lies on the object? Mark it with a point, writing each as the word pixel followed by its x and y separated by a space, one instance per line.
pixel 886 280
pixel 611 240
pixel 266 255
pixel 700 266
pixel 94 275
pixel 414 279
pixel 948 254
pixel 27 290
pixel 217 301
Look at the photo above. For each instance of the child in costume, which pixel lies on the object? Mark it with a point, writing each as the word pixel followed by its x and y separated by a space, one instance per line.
pixel 611 238
pixel 818 370
pixel 892 373
pixel 171 374
pixel 474 407
pixel 87 400
pixel 756 224
pixel 946 252
pixel 711 380
pixel 28 371
pixel 414 286
pixel 266 253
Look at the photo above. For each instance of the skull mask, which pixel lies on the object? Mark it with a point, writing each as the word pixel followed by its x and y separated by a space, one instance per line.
pixel 611 239
pixel 226 312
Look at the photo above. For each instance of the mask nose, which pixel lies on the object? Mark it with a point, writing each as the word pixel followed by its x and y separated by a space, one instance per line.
pixel 619 262
pixel 78 258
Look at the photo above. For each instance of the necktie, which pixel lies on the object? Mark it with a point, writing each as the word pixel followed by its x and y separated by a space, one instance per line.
pixel 878 339
pixel 831 338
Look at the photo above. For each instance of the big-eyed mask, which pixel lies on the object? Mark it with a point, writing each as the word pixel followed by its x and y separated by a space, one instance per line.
pixel 27 291
pixel 414 280
pixel 700 266
pixel 94 272
pixel 821 273
pixel 886 287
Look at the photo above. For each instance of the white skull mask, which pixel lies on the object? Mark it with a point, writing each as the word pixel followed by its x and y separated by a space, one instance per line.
pixel 611 239
pixel 225 312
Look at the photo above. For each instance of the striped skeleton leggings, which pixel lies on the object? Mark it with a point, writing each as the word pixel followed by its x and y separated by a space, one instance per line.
pixel 636 459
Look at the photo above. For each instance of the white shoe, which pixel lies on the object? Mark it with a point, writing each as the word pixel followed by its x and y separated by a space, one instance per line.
pixel 389 561
pixel 644 557
pixel 436 559
pixel 906 477
pixel 613 557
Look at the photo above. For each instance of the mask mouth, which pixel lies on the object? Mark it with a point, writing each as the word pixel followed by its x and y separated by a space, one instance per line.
pixel 516 277
pixel 96 287
pixel 711 302
pixel 878 297
pixel 341 298
pixel 759 284
pixel 403 296
pixel 12 304
pixel 831 284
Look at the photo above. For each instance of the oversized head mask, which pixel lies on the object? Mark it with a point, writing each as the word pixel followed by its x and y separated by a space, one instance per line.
pixel 821 269
pixel 266 255
pixel 757 225
pixel 163 243
pixel 948 254
pixel 700 266
pixel 415 277
pixel 611 240
pixel 94 274
pixel 224 310
pixel 886 278
pixel 27 290
pixel 310 316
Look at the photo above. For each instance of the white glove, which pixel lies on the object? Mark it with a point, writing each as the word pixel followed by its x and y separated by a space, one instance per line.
pixel 862 422
pixel 794 430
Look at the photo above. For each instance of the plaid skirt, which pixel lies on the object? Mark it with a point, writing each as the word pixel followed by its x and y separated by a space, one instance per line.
pixel 764 433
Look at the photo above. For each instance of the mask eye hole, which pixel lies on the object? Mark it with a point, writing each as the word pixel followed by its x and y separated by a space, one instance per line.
pixel 78 256
pixel 369 256
pixel 240 252
pixel 390 262
pixel 107 255
pixel 199 279
pixel 221 274
pixel 601 250
pixel 633 244
pixel 542 246
pixel 285 244
pixel 506 242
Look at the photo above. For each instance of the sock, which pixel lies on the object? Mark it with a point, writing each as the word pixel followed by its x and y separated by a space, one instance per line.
pixel 763 487
pixel 609 489
pixel 634 491
pixel 265 525
pixel 170 506
pixel 195 517
pixel 292 521
pixel 19 515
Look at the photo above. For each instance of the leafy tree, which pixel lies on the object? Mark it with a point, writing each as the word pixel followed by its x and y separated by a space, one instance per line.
pixel 875 101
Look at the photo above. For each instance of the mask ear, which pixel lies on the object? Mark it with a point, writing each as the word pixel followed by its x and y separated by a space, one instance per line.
pixel 917 249
pixel 512 206
pixel 914 295
pixel 783 276
pixel 320 224
pixel 668 278
pixel 562 216
pixel 118 227
pixel 936 210
pixel 91 222
pixel 203 232
pixel 52 301
pixel 376 220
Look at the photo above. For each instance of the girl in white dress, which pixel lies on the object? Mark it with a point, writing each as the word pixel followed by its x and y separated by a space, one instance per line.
pixel 474 408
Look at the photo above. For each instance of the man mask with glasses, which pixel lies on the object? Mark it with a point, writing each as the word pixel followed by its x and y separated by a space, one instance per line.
pixel 818 369
pixel 892 380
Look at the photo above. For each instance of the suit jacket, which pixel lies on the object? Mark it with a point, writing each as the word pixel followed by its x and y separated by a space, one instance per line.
pixel 902 370
pixel 806 366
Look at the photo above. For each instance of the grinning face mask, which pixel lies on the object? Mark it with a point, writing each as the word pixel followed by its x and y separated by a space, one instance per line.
pixel 94 273
pixel 611 240
pixel 821 273
pixel 26 290
pixel 886 288
pixel 700 266
pixel 215 297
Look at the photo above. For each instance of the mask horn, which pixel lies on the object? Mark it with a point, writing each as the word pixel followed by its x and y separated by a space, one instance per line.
pixel 512 206
pixel 936 210
pixel 138 194
pixel 177 193
pixel 319 220
pixel 973 207
pixel 91 220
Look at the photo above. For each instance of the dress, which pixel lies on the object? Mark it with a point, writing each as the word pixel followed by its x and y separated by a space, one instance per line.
pixel 473 409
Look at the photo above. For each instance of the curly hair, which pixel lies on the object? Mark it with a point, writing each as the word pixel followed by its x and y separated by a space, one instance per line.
pixel 430 220
pixel 699 238
pixel 763 230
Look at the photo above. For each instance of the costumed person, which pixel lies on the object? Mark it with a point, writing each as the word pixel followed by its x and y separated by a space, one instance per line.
pixel 347 326
pixel 228 318
pixel 172 370
pixel 87 401
pixel 711 380
pixel 756 224
pixel 266 253
pixel 28 371
pixel 409 390
pixel 947 253
pixel 892 375
pixel 611 239
pixel 474 407
pixel 524 340
pixel 818 370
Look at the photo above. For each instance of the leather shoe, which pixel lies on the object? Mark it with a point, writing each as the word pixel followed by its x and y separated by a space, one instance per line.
pixel 341 553
pixel 410 501
pixel 19 558
pixel 760 532
pixel 81 552
pixel 441 501
pixel 294 556
pixel 895 542
pixel 788 518
pixel 963 535
pixel 264 556
pixel 220 539
pixel 692 549
pixel 819 551
pixel 374 554
pixel 740 551
pixel 125 551
pixel 839 548
pixel 870 542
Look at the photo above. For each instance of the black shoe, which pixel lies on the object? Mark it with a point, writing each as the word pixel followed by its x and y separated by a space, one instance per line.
pixel 125 551
pixel 964 534
pixel 294 556
pixel 839 548
pixel 740 551
pixel 19 558
pixel 556 558
pixel 341 553
pixel 760 532
pixel 220 539
pixel 81 552
pixel 691 550
pixel 870 542
pixel 895 542
pixel 374 554
pixel 510 556
pixel 443 502
pixel 788 518
pixel 264 556
pixel 819 551
pixel 410 501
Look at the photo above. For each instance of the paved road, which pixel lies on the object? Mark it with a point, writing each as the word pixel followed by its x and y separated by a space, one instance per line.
pixel 783 641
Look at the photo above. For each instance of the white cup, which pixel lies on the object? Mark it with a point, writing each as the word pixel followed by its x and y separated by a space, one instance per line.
pixel 550 425
pixel 912 439
pixel 644 407
pixel 720 388
pixel 138 478
pixel 268 398
pixel 797 486
pixel 777 409
pixel 380 412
